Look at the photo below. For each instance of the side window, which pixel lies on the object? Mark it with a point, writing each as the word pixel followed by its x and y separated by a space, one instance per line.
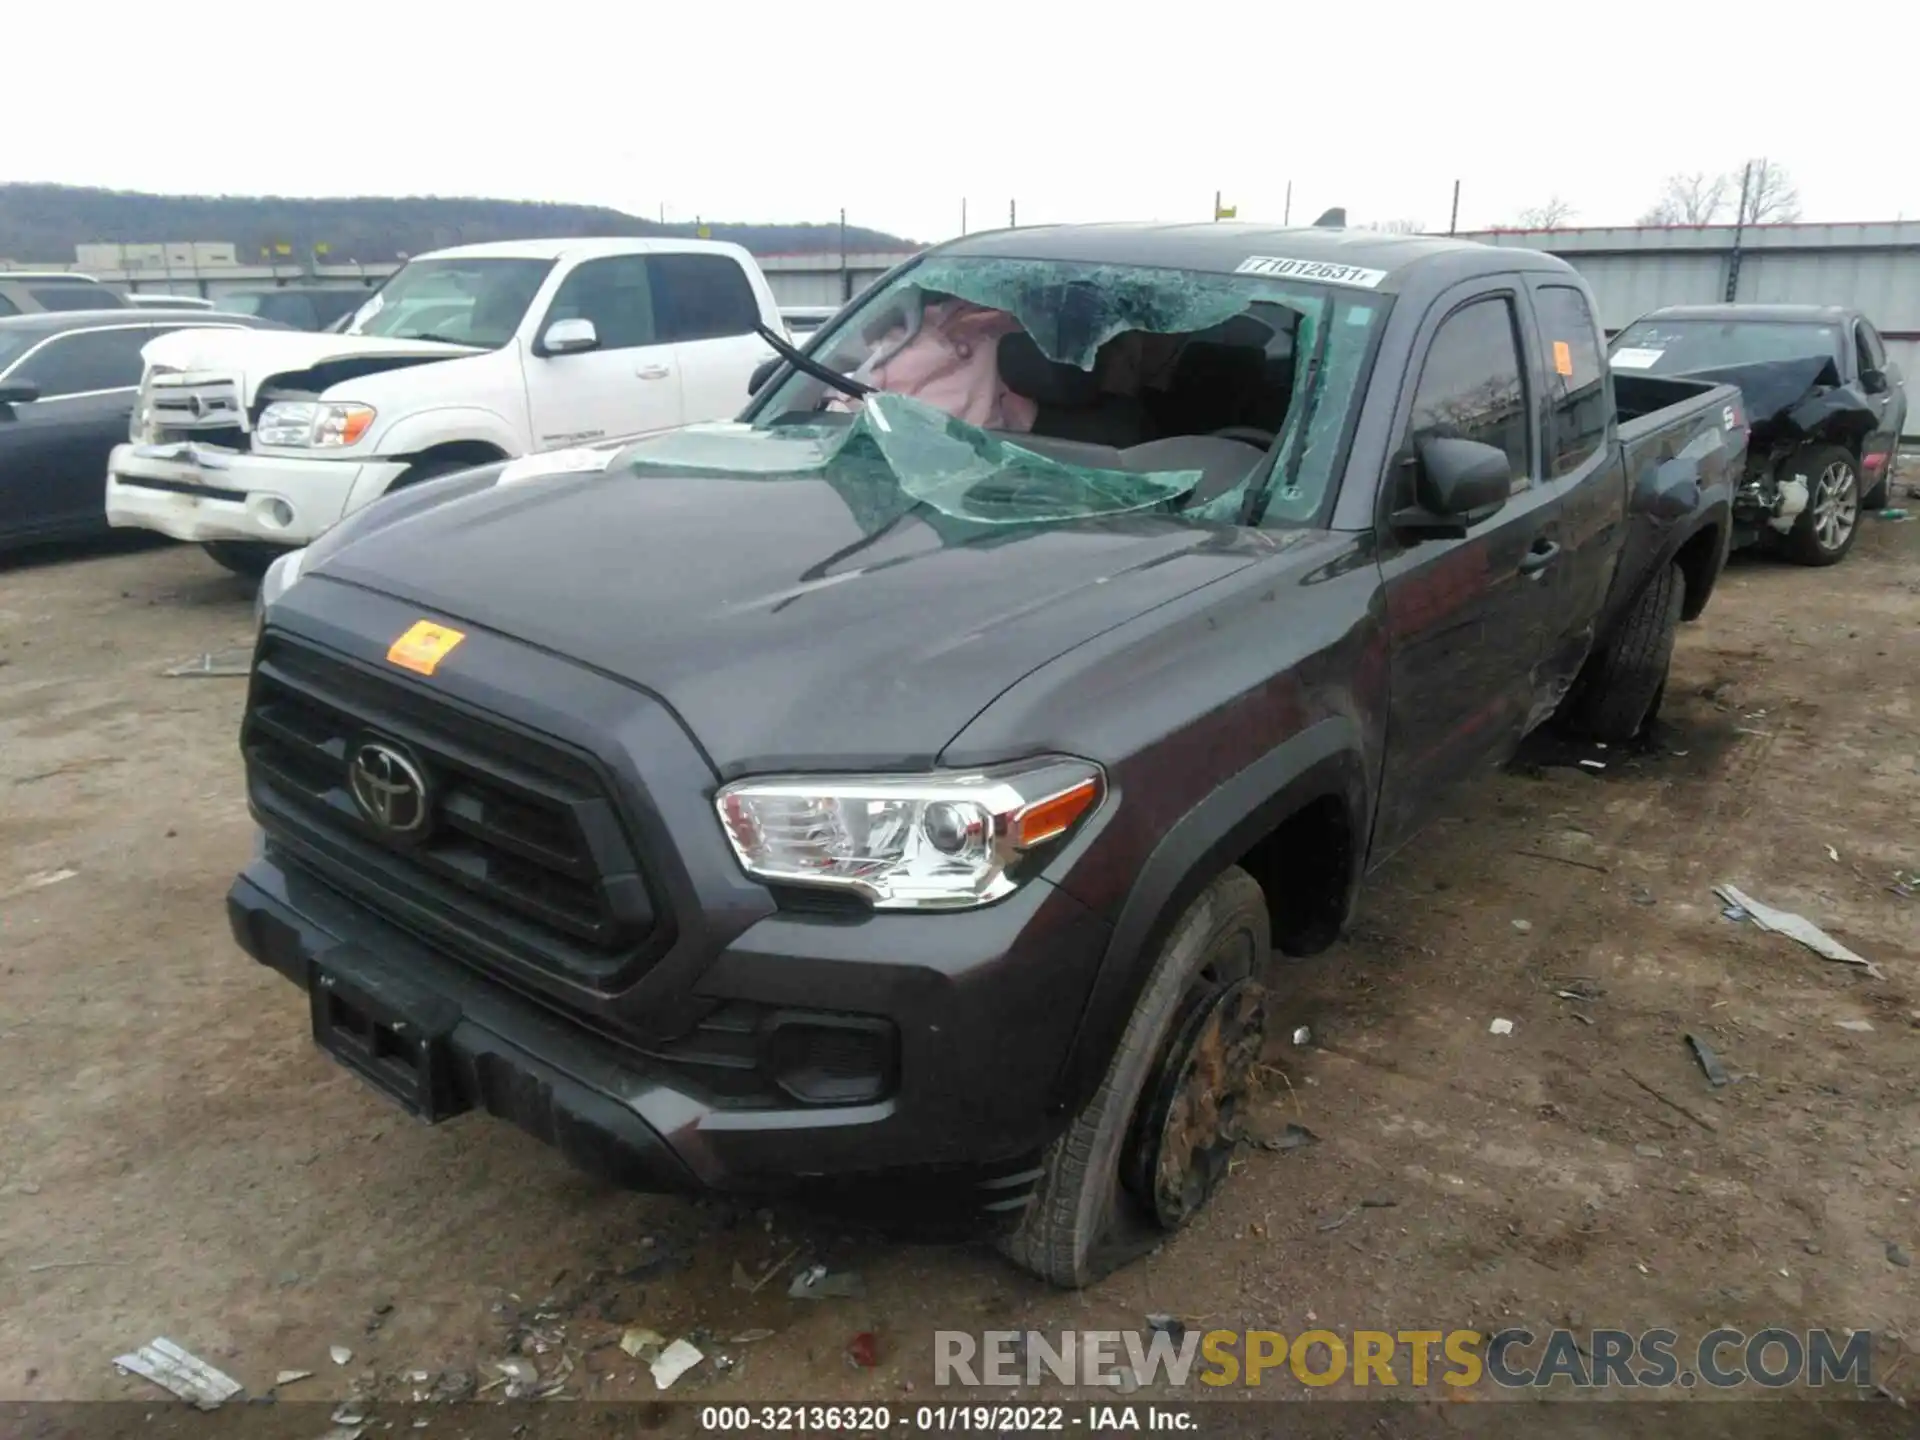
pixel 1576 392
pixel 1873 354
pixel 1471 387
pixel 7 307
pixel 615 296
pixel 86 361
pixel 702 297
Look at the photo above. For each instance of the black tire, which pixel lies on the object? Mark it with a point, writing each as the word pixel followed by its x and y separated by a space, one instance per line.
pixel 1620 687
pixel 1083 1222
pixel 1817 537
pixel 248 559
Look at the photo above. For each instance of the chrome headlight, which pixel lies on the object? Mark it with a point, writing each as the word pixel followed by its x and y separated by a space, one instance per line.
pixel 311 424
pixel 907 842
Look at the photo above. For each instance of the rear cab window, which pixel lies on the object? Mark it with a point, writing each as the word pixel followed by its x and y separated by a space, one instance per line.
pixel 701 297
pixel 1576 377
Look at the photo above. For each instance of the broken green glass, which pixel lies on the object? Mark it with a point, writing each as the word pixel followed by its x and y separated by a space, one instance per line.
pixel 1321 405
pixel 900 445
pixel 1071 310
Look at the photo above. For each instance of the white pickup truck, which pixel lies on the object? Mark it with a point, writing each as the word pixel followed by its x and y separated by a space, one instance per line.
pixel 253 442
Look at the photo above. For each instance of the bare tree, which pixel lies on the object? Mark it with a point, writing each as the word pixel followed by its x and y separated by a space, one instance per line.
pixel 1397 227
pixel 1696 199
pixel 1550 216
pixel 1768 195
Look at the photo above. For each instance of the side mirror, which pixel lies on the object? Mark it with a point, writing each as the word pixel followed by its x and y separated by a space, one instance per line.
pixel 762 373
pixel 1874 382
pixel 570 337
pixel 19 392
pixel 1457 484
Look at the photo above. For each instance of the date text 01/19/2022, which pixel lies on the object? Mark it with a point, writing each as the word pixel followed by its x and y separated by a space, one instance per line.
pixel 943 1419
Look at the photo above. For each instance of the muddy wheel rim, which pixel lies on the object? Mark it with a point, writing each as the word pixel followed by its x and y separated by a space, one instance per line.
pixel 1836 505
pixel 1191 1120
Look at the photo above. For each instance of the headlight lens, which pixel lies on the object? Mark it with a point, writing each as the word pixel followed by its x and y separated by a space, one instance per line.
pixel 907 842
pixel 310 424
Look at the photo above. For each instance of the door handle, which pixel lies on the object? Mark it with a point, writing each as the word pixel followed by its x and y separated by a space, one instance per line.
pixel 653 372
pixel 1543 554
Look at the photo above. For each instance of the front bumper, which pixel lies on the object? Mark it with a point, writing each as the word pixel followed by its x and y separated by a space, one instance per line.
pixel 199 493
pixel 964 1121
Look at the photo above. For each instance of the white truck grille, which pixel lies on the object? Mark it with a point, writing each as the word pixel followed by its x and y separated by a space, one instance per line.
pixel 201 406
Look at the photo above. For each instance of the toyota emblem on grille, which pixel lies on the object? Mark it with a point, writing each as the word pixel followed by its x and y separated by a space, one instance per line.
pixel 389 788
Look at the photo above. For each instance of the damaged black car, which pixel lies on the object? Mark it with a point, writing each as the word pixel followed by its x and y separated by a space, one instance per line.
pixel 1825 404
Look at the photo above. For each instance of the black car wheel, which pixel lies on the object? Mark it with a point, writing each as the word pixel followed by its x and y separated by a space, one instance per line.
pixel 1151 1148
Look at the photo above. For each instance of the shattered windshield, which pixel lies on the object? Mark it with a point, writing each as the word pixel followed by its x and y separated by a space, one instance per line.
pixel 466 301
pixel 1019 392
pixel 1681 347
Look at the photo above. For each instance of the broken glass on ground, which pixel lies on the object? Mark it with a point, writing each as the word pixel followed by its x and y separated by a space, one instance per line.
pixel 237 660
pixel 180 1373
pixel 1794 927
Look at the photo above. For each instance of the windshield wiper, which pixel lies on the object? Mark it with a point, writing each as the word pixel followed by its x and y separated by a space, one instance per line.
pixel 442 340
pixel 845 384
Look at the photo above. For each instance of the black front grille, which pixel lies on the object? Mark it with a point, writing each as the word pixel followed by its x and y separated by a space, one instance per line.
pixel 522 857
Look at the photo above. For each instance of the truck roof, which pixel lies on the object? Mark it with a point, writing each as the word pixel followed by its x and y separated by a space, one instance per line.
pixel 1770 314
pixel 1222 246
pixel 579 248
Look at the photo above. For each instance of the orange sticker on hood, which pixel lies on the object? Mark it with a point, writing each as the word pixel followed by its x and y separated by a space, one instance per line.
pixel 424 646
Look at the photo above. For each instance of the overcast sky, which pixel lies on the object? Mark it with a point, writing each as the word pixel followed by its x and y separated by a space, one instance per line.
pixel 753 111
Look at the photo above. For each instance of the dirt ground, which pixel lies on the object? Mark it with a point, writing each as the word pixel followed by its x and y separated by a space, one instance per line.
pixel 176 1158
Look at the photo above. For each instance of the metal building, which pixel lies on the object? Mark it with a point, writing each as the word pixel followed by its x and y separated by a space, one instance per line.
pixel 1874 268
pixel 826 278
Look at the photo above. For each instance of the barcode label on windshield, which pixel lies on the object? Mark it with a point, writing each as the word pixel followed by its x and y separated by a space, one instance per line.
pixel 1320 270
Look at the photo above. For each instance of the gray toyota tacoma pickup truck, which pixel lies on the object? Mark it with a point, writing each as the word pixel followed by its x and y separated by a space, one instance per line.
pixel 918 786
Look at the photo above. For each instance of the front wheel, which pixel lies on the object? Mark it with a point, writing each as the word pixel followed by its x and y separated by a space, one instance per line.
pixel 1152 1146
pixel 248 559
pixel 1826 529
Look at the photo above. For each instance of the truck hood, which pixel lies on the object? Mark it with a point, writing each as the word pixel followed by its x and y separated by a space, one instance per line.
pixel 253 357
pixel 786 630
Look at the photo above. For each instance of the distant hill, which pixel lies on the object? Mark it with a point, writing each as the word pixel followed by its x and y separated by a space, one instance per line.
pixel 43 223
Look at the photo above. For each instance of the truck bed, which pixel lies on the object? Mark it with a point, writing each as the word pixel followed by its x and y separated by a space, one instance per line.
pixel 1677 438
pixel 1641 401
